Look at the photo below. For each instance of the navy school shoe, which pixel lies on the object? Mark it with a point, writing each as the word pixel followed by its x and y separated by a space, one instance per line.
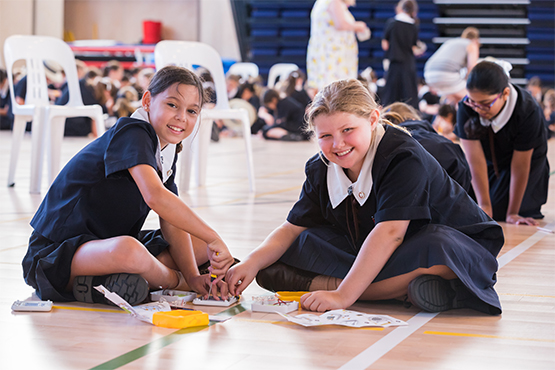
pixel 434 294
pixel 131 287
pixel 282 277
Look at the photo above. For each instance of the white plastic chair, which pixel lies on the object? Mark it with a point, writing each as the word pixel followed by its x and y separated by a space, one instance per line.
pixel 281 70
pixel 186 54
pixel 47 120
pixel 244 69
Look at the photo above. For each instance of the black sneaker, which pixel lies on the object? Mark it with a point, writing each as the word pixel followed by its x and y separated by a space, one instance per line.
pixel 431 293
pixel 131 287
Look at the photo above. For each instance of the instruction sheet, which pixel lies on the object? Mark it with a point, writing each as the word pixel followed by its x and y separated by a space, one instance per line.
pixel 352 319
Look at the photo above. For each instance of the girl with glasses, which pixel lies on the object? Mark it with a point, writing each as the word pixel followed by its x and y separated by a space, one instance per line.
pixel 505 142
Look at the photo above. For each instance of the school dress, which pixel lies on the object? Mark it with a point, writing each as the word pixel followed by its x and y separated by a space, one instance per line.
pixel 94 197
pixel 401 84
pixel 449 155
pixel 523 130
pixel 331 54
pixel 401 182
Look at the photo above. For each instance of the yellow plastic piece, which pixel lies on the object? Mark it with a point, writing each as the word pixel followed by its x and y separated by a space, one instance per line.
pixel 179 319
pixel 290 296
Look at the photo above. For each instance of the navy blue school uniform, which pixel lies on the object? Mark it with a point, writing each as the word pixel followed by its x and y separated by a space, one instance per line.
pixel 449 155
pixel 289 116
pixel 94 197
pixel 525 130
pixel 6 121
pixel 446 225
pixel 401 84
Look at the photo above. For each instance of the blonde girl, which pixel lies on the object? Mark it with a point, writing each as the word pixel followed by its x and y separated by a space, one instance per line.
pixel 377 218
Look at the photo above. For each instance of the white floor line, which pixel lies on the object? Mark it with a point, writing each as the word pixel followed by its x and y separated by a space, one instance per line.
pixel 387 343
pixel 513 253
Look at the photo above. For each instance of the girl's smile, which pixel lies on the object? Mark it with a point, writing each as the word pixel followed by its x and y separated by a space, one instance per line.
pixel 173 113
pixel 344 139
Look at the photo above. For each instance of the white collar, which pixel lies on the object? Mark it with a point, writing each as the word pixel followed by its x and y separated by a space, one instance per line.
pixel 404 17
pixel 339 184
pixel 503 117
pixel 164 158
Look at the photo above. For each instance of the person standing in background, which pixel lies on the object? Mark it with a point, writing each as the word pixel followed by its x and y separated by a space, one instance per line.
pixel 447 69
pixel 401 45
pixel 332 49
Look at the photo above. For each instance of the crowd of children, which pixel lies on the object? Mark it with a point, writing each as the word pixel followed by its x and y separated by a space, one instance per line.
pixel 117 90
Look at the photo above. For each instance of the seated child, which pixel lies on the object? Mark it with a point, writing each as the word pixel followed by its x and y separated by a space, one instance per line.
pixel 377 219
pixel 88 229
pixel 284 118
pixel 444 122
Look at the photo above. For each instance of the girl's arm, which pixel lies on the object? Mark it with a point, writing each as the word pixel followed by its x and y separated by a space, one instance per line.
pixel 374 253
pixel 271 249
pixel 338 10
pixel 479 170
pixel 182 253
pixel 520 171
pixel 385 45
pixel 172 209
pixel 473 53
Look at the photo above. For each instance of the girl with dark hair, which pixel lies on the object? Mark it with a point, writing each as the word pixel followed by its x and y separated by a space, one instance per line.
pixel 377 218
pixel 88 229
pixel 294 88
pixel 503 135
pixel 401 45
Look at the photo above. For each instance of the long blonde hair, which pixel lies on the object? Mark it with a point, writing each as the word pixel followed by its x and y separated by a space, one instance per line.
pixel 347 96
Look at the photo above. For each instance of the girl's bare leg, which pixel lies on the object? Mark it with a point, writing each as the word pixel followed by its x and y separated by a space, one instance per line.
pixel 392 288
pixel 121 254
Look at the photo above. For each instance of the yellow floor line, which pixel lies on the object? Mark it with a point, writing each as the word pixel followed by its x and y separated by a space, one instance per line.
pixel 16 247
pixel 488 336
pixel 528 295
pixel 16 219
pixel 89 309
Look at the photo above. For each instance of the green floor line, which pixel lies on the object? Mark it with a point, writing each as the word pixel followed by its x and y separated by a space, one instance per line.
pixel 164 341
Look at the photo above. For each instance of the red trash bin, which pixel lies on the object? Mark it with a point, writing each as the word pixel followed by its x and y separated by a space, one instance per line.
pixel 152 31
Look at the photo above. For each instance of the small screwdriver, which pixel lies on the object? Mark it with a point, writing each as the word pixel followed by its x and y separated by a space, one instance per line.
pixel 212 278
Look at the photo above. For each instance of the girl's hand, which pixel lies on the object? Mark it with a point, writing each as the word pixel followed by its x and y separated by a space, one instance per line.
pixel 239 277
pixel 220 287
pixel 220 258
pixel 323 300
pixel 519 220
pixel 199 284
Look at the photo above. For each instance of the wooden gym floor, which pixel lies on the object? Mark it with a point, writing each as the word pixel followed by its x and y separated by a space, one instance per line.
pixel 80 336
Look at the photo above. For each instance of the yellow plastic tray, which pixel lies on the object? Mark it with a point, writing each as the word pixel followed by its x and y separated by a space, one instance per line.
pixel 290 296
pixel 179 319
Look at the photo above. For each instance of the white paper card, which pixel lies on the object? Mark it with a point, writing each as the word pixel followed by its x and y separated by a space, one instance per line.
pixel 352 319
pixel 142 312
